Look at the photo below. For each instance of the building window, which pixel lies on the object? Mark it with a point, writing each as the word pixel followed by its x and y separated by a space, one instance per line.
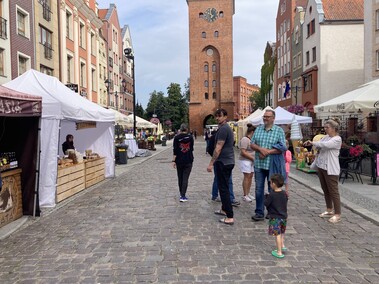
pixel 206 68
pixel 68 25
pixel 93 44
pixel 308 83
pixel 46 70
pixel 216 34
pixel 313 54
pixel 2 52
pixel 299 63
pixel 93 78
pixel 377 60
pixel 46 9
pixel 82 74
pixel 82 35
pixel 206 96
pixel 214 96
pixel 307 58
pixel 70 65
pixel 201 15
pixel 206 84
pixel 294 63
pixel 221 14
pixel 23 64
pixel 214 84
pixel 311 28
pixel 22 22
pixel 377 19
pixel 214 67
pixel 46 40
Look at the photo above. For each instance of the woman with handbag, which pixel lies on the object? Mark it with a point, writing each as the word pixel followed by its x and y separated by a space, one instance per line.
pixel 328 168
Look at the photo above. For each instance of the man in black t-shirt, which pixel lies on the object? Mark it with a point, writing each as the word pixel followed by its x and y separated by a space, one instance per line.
pixel 223 162
pixel 183 159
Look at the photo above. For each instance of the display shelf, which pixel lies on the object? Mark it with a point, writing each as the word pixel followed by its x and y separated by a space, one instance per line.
pixel 70 180
pixel 94 171
pixel 11 196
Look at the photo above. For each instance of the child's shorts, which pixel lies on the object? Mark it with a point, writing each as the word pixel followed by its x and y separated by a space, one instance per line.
pixel 277 226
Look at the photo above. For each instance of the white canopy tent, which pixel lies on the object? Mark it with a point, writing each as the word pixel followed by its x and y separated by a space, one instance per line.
pixel 283 116
pixel 364 98
pixel 242 124
pixel 141 123
pixel 61 110
pixel 121 118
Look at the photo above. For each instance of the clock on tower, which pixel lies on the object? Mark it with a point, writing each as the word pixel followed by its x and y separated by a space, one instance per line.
pixel 211 59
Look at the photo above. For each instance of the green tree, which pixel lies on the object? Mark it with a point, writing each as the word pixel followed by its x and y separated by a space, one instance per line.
pixel 257 100
pixel 156 105
pixel 139 110
pixel 177 106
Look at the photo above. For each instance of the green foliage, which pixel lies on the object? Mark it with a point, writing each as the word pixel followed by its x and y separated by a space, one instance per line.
pixel 257 100
pixel 140 111
pixel 267 72
pixel 174 107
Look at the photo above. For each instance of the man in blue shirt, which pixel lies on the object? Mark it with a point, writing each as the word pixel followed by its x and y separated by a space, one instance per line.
pixel 265 136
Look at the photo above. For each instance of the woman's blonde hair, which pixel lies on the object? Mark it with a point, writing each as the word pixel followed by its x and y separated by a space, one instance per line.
pixel 334 123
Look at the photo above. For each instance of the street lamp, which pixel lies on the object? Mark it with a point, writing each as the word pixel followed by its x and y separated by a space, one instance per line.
pixel 123 83
pixel 106 82
pixel 129 54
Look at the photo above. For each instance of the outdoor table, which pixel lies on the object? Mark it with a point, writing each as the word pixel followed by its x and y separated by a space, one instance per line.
pixel 132 147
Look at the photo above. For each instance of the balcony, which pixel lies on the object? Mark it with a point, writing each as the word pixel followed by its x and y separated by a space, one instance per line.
pixel 48 50
pixel 46 11
pixel 3 28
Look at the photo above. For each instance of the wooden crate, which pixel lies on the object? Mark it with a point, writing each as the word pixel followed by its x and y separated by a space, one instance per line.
pixel 70 180
pixel 94 171
pixel 11 196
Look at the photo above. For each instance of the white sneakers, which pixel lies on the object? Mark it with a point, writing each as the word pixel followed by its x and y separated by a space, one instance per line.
pixel 248 198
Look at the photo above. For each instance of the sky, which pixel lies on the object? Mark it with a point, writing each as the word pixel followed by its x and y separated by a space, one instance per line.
pixel 159 31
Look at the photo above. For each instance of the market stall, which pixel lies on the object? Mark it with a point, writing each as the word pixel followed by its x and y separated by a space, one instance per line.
pixel 65 112
pixel 19 119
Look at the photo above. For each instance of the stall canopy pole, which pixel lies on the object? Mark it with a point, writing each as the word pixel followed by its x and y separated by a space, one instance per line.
pixel 36 186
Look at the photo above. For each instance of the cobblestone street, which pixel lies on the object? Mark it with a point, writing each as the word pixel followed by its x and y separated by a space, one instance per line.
pixel 132 229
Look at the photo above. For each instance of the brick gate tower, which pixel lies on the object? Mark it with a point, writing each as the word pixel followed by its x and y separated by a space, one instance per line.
pixel 211 59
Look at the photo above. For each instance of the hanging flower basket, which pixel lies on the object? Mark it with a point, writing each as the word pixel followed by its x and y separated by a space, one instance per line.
pixel 296 108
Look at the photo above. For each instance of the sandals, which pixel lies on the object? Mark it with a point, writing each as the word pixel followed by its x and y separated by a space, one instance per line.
pixel 335 219
pixel 275 253
pixel 223 220
pixel 220 212
pixel 326 214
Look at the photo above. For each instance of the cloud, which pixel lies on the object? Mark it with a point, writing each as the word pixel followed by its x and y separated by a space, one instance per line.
pixel 159 31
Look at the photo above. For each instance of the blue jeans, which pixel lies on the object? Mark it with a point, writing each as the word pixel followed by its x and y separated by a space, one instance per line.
pixel 260 176
pixel 215 186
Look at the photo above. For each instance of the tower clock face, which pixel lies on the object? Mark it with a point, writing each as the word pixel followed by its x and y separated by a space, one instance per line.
pixel 211 15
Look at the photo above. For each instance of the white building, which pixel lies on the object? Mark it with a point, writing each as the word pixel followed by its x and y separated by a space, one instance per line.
pixel 371 40
pixel 332 48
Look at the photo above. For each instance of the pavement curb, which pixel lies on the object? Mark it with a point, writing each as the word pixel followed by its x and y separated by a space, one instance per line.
pixel 366 214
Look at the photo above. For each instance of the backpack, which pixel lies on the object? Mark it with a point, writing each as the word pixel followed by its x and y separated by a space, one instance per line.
pixel 211 144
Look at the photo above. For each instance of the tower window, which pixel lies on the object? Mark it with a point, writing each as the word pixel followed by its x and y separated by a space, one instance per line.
pixel 201 15
pixel 214 96
pixel 206 95
pixel 216 34
pixel 206 83
pixel 203 34
pixel 214 83
pixel 214 67
pixel 221 14
pixel 206 68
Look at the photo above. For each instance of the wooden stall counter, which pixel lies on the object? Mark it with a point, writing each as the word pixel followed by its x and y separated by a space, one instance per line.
pixel 94 171
pixel 11 197
pixel 70 180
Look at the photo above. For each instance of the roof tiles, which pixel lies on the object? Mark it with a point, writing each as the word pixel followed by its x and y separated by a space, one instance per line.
pixel 337 10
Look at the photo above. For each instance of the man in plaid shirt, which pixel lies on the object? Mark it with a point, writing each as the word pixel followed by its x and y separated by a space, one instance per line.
pixel 265 136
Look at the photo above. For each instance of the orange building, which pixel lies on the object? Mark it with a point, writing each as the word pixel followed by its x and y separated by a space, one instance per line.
pixel 242 91
pixel 211 59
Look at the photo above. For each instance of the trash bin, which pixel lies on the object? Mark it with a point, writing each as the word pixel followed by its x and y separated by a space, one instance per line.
pixel 164 139
pixel 121 154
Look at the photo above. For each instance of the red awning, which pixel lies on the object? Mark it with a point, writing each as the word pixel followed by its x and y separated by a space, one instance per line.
pixel 14 103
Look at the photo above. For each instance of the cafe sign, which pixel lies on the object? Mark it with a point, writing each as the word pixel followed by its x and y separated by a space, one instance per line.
pixel 19 107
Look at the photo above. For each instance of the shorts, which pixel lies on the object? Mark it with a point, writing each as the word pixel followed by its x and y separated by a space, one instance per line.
pixel 246 166
pixel 277 226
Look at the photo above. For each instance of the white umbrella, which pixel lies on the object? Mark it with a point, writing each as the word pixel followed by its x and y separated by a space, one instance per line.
pixel 141 123
pixel 364 98
pixel 121 118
